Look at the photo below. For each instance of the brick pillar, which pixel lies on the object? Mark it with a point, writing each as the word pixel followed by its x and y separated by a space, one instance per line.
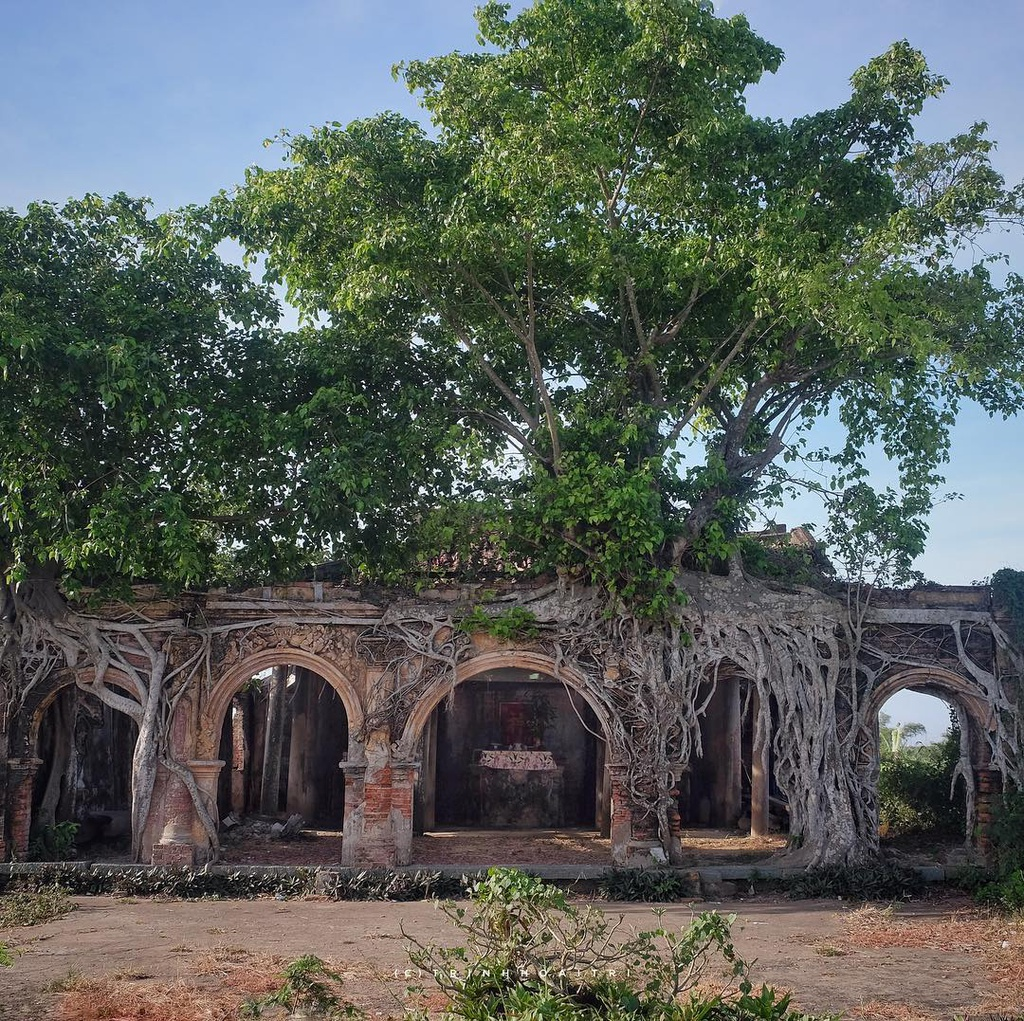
pixel 21 774
pixel 988 786
pixel 171 813
pixel 207 775
pixel 378 838
pixel 352 842
pixel 175 845
pixel 403 787
pixel 621 827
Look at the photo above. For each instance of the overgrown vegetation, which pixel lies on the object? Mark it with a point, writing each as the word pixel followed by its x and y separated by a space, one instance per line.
pixel 876 881
pixel 1008 593
pixel 516 622
pixel 198 883
pixel 595 300
pixel 53 843
pixel 1006 889
pixel 35 907
pixel 309 988
pixel 647 885
pixel 916 793
pixel 526 952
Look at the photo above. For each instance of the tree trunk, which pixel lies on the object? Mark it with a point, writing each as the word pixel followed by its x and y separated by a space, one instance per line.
pixel 65 712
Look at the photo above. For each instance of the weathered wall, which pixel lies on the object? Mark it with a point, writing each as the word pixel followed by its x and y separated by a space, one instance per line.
pixel 390 661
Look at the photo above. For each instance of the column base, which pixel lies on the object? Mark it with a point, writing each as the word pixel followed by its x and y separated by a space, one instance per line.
pixel 173 854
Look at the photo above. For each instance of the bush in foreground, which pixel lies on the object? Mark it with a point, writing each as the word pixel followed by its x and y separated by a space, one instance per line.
pixel 529 953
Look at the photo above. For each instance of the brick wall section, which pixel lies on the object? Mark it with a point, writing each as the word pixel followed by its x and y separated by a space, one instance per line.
pixel 20 777
pixel 988 784
pixel 621 829
pixel 377 797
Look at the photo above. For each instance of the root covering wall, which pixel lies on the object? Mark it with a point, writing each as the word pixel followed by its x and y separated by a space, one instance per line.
pixel 386 703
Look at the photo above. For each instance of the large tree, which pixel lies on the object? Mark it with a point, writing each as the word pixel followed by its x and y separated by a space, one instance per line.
pixel 139 439
pixel 634 299
pixel 639 294
pixel 156 425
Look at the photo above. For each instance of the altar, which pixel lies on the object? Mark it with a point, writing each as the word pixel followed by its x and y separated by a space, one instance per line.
pixel 519 788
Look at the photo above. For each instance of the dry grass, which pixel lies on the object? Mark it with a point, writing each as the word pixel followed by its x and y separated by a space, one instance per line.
pixel 222 979
pixel 962 932
pixel 111 999
pixel 999 940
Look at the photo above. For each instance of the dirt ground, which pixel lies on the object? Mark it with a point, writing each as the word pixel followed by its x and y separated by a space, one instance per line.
pixel 923 961
pixel 498 847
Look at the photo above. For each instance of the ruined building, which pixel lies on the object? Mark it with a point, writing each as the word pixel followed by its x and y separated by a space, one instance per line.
pixel 521 706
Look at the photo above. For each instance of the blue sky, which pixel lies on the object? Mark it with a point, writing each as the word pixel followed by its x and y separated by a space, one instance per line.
pixel 174 100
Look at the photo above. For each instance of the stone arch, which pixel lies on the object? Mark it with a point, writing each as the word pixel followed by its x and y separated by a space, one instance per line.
pixel 27 737
pixel 941 683
pixel 533 662
pixel 31 766
pixel 234 679
pixel 954 688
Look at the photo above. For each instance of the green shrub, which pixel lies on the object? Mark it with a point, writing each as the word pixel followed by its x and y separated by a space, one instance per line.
pixel 647 885
pixel 1005 893
pixel 6 960
pixel 914 790
pixel 385 884
pixel 53 843
pixel 1007 832
pixel 1005 890
pixel 199 883
pixel 528 953
pixel 875 881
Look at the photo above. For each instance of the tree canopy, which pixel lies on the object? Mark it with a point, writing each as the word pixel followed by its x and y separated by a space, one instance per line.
pixel 582 321
pixel 138 376
pixel 629 296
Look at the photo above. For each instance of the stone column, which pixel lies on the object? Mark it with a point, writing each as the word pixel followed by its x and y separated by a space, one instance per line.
pixel 238 710
pixel 171 813
pixel 206 773
pixel 21 774
pixel 621 826
pixel 352 842
pixel 302 788
pixel 403 787
pixel 759 773
pixel 270 789
pixel 175 845
pixel 732 758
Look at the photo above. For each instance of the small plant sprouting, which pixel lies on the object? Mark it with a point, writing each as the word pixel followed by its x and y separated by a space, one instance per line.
pixel 516 622
pixel 308 988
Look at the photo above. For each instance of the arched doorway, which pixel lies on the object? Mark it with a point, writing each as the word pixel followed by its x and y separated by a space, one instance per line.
pixel 716 785
pixel 926 777
pixel 512 767
pixel 283 728
pixel 85 748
